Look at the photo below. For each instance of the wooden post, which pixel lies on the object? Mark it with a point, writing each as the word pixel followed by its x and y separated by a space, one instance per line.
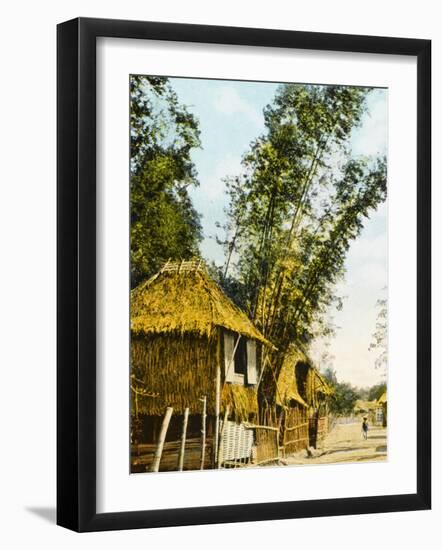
pixel 203 432
pixel 183 440
pixel 162 437
pixel 136 417
pixel 221 437
pixel 217 408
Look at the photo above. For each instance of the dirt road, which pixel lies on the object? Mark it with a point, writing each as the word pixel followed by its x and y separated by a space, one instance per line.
pixel 345 444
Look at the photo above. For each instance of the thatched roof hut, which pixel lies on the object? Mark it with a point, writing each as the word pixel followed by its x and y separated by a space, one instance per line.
pixel 183 329
pixel 364 406
pixel 295 400
pixel 382 399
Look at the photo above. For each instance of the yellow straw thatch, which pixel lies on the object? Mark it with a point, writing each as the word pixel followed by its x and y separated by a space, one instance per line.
pixel 287 385
pixel 182 299
pixel 382 399
pixel 242 400
pixel 362 405
pixel 300 381
pixel 176 370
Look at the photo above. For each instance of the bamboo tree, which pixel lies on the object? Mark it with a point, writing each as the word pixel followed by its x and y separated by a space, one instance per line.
pixel 298 203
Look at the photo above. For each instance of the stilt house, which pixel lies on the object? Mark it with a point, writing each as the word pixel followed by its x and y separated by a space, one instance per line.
pixel 191 348
pixel 298 402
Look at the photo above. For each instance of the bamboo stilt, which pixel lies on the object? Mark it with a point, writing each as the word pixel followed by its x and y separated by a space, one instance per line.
pixel 162 437
pixel 217 409
pixel 183 440
pixel 203 432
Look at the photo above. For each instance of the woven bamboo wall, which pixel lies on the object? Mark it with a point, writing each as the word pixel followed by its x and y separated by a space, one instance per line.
pixel 295 437
pixel 267 445
pixel 236 443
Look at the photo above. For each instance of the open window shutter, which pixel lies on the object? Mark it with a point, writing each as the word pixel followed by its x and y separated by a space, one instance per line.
pixel 252 373
pixel 229 346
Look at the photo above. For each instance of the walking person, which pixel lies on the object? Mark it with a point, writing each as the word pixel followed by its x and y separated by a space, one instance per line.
pixel 365 428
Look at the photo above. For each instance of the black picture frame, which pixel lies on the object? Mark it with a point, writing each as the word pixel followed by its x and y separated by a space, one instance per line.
pixel 77 287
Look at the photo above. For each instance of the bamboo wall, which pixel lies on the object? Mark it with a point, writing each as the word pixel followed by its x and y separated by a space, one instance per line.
pixel 296 430
pixel 267 445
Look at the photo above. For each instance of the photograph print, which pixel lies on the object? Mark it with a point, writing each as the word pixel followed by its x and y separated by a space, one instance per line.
pixel 258 269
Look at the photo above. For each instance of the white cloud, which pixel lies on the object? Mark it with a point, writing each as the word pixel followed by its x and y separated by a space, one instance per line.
pixel 229 102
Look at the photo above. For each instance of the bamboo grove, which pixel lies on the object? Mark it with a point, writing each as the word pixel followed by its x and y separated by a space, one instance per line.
pixel 299 201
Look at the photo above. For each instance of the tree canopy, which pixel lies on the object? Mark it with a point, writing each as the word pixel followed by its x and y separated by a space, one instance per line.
pixel 299 201
pixel 345 395
pixel 164 223
pixel 375 392
pixel 379 341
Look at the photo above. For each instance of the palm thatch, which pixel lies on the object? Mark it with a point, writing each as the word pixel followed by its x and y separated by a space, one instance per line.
pixel 312 385
pixel 362 406
pixel 300 381
pixel 383 399
pixel 175 371
pixel 287 384
pixel 242 400
pixel 182 299
pixel 170 371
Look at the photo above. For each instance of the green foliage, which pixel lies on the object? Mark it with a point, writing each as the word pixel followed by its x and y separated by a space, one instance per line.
pixel 164 223
pixel 379 339
pixel 345 395
pixel 376 391
pixel 345 398
pixel 295 208
pixel 330 375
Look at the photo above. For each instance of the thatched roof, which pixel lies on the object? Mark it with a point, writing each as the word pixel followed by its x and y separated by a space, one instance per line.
pixel 182 298
pixel 383 399
pixel 322 386
pixel 364 406
pixel 287 386
pixel 312 386
pixel 297 380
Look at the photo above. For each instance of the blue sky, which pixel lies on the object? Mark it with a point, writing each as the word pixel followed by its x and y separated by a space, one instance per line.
pixel 231 116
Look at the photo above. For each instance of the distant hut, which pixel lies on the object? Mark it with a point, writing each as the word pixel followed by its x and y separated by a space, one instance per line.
pixel 317 393
pixel 296 399
pixel 382 402
pixel 369 409
pixel 290 406
pixel 189 345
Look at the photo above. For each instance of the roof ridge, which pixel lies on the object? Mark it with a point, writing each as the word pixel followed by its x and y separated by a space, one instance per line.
pixel 184 266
